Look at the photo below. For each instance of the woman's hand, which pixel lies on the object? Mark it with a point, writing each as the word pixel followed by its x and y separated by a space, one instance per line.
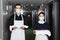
pixel 22 27
pixel 14 28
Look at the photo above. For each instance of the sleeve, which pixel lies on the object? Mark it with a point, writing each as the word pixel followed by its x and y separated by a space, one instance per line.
pixel 47 26
pixel 25 19
pixel 11 23
pixel 26 26
pixel 10 28
pixel 11 20
pixel 48 31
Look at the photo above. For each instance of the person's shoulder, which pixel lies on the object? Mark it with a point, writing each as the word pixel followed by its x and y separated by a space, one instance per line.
pixel 11 17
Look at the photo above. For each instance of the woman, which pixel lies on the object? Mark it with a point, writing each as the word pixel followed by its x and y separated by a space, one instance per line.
pixel 41 28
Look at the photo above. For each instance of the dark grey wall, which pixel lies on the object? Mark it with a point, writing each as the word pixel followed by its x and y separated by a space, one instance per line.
pixel 56 15
pixel 5 18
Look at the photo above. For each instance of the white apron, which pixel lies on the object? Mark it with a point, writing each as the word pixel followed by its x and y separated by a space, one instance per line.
pixel 17 34
pixel 42 34
pixel 41 37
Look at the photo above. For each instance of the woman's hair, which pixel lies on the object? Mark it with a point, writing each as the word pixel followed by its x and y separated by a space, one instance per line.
pixel 41 13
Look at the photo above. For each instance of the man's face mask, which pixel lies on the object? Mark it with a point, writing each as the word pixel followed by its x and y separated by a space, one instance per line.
pixel 19 11
pixel 41 18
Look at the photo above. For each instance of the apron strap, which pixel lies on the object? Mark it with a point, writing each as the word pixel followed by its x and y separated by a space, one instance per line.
pixel 22 17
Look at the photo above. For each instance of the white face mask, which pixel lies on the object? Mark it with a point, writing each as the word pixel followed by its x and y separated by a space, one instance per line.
pixel 19 11
pixel 41 18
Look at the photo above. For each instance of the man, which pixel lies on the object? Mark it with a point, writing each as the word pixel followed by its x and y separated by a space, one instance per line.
pixel 17 24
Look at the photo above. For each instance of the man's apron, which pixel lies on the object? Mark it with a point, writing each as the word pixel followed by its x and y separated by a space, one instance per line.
pixel 18 34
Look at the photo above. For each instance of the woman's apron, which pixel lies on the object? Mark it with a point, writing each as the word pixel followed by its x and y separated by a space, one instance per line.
pixel 42 34
pixel 41 37
pixel 18 34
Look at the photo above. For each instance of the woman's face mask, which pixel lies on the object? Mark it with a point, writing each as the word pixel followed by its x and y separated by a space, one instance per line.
pixel 41 18
pixel 19 11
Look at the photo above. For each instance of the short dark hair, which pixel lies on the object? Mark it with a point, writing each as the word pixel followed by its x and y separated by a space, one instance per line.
pixel 18 5
pixel 41 13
